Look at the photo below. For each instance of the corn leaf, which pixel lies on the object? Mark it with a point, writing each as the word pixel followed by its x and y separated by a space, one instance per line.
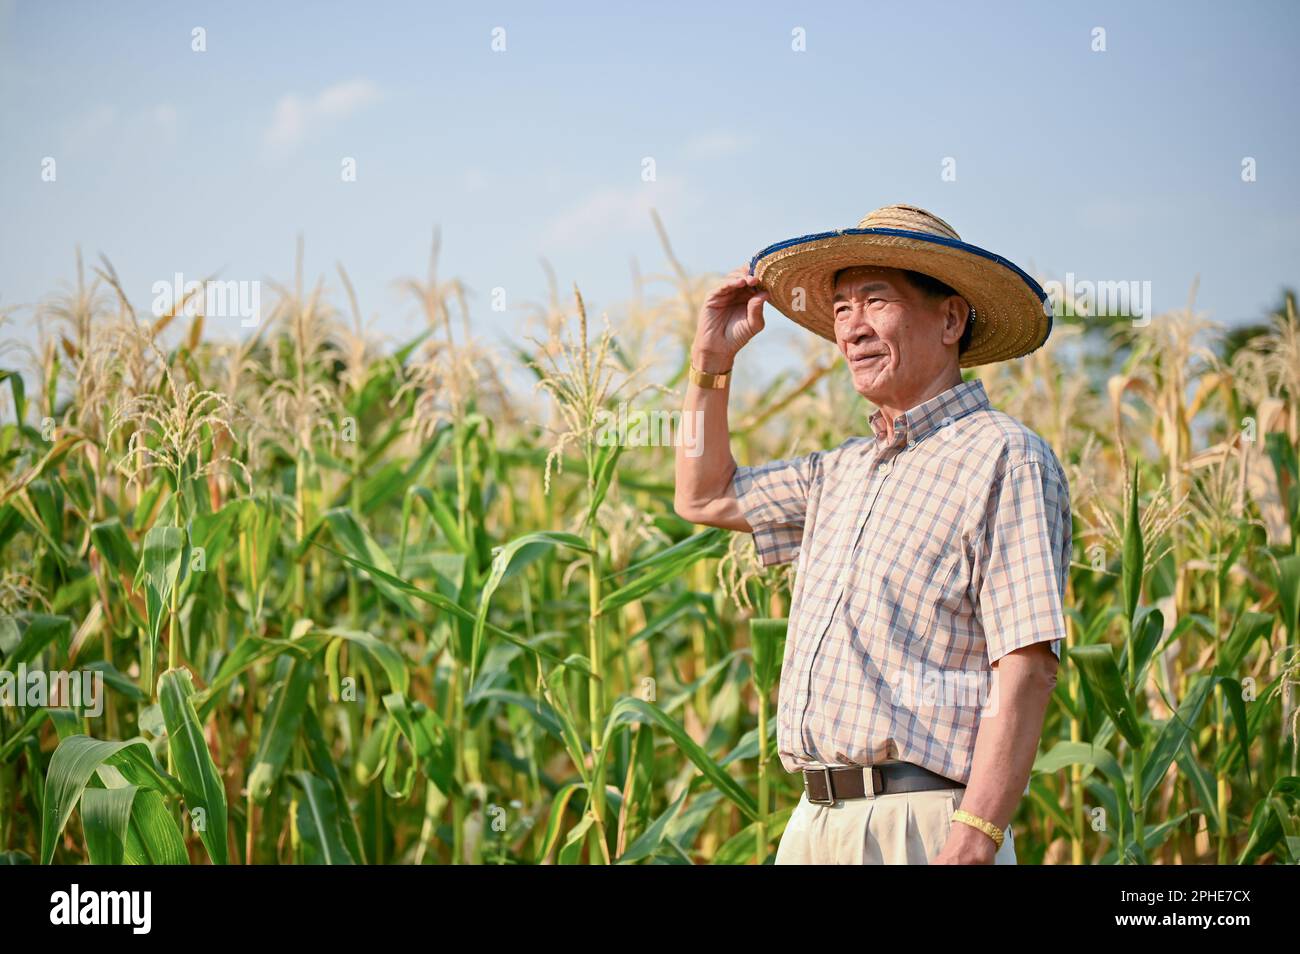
pixel 205 798
pixel 105 817
pixel 152 837
pixel 318 822
pixel 71 767
pixel 630 709
pixel 1097 663
pixel 280 724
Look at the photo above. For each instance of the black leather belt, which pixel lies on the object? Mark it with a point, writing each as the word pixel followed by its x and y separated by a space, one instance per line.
pixel 827 784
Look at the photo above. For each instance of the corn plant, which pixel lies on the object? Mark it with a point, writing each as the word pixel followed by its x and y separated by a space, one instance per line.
pixel 364 602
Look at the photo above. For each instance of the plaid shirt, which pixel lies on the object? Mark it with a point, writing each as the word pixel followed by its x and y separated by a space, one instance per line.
pixel 920 562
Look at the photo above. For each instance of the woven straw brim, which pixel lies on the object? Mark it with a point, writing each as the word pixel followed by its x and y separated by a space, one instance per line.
pixel 1012 313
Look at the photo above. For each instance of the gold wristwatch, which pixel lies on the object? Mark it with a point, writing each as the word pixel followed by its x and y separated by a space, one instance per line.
pixel 706 379
pixel 975 821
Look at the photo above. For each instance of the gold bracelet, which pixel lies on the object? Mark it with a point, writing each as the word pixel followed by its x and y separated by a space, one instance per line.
pixel 975 821
pixel 706 379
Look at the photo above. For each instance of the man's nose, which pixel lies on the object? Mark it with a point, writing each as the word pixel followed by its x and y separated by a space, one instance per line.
pixel 856 324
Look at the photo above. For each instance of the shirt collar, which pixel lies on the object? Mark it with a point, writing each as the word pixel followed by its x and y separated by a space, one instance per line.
pixel 944 408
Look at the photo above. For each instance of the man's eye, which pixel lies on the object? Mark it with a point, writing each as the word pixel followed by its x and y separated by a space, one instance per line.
pixel 843 311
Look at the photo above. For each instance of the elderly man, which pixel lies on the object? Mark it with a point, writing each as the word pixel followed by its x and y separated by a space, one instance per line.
pixel 926 615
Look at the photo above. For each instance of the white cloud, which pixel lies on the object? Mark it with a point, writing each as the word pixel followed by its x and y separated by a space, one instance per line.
pixel 296 117
pixel 343 99
pixel 608 210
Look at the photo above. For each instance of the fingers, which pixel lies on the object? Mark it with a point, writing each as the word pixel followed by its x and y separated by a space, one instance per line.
pixel 739 277
pixel 737 280
pixel 756 311
pixel 740 289
pixel 734 289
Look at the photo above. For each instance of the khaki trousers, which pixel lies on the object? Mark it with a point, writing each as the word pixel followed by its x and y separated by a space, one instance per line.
pixel 906 828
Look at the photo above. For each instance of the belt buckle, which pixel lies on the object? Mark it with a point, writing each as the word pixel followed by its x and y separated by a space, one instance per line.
pixel 830 794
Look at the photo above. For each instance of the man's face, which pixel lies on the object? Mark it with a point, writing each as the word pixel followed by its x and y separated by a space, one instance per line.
pixel 896 340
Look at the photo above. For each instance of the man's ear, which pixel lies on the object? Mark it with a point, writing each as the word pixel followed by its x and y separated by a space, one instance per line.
pixel 955 314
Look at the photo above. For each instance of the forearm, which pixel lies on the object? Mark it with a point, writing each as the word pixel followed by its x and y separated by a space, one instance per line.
pixel 731 315
pixel 1007 740
pixel 704 462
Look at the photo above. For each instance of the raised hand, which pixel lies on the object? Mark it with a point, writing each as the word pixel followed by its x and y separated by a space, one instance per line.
pixel 730 317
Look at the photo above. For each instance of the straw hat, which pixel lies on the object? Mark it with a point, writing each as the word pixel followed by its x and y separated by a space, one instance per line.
pixel 1011 311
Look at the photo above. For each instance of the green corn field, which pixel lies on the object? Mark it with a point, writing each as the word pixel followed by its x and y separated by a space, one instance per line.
pixel 355 601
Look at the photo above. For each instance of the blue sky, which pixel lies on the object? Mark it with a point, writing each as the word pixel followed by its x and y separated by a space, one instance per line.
pixel 1115 165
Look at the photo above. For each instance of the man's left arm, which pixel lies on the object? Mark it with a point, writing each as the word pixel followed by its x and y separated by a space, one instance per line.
pixel 1020 607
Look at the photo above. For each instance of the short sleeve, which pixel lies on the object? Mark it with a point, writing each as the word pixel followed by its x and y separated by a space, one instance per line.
pixel 1022 589
pixel 774 499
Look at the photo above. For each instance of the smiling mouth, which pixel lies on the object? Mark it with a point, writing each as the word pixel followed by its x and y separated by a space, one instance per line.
pixel 865 358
